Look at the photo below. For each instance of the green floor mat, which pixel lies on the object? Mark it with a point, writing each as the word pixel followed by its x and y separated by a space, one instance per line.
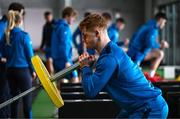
pixel 159 71
pixel 42 106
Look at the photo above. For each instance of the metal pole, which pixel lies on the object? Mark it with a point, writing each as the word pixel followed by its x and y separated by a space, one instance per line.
pixel 64 72
pixel 19 96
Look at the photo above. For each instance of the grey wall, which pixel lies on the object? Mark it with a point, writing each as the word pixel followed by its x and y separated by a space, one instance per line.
pixel 132 10
pixel 51 4
pixel 34 18
pixel 161 2
pixel 151 6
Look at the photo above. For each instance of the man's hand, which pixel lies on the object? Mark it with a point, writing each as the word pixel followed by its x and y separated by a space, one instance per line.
pixel 126 42
pixel 86 60
pixel 67 64
pixel 34 75
pixel 164 44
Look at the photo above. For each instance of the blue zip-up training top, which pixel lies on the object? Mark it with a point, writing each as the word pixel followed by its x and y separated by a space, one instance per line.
pixel 143 41
pixel 19 52
pixel 61 41
pixel 120 77
pixel 3 25
pixel 113 33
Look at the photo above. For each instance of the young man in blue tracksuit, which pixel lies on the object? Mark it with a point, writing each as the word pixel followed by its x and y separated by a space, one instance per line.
pixel 117 74
pixel 4 88
pixel 61 43
pixel 113 32
pixel 80 46
pixel 108 18
pixel 144 43
pixel 16 48
pixel 114 29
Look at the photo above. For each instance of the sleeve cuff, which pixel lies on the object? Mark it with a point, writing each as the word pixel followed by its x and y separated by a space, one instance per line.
pixel 86 70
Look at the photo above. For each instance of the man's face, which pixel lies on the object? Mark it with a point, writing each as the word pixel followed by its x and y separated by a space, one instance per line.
pixel 70 19
pixel 90 39
pixel 120 25
pixel 49 18
pixel 162 23
pixel 108 23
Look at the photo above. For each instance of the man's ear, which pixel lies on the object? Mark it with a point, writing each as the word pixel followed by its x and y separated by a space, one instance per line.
pixel 97 33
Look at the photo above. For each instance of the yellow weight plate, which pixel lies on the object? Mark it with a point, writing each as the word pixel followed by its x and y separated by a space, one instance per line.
pixel 44 77
pixel 178 78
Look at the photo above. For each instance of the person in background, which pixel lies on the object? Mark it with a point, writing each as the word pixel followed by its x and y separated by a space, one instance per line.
pixel 117 74
pixel 17 49
pixel 80 47
pixel 108 18
pixel 61 43
pixel 144 44
pixel 46 40
pixel 113 32
pixel 4 88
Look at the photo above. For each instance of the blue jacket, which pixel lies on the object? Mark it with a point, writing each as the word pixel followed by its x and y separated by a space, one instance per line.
pixel 3 25
pixel 120 77
pixel 143 41
pixel 61 48
pixel 113 33
pixel 19 52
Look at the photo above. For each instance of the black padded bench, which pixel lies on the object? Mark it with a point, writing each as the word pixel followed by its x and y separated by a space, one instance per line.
pixel 99 108
pixel 81 95
pixel 72 89
pixel 173 100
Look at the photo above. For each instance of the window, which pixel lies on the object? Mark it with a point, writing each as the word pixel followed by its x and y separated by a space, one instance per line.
pixel 171 33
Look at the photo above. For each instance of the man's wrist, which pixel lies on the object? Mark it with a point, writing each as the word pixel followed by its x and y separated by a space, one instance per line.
pixel 87 65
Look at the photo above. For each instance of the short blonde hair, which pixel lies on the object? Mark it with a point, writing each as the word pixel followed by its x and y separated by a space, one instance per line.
pixel 93 21
pixel 69 11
